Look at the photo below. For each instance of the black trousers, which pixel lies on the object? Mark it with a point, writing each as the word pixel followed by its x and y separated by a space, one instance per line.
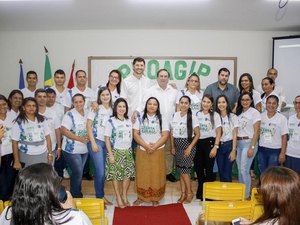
pixel 203 164
pixel 7 177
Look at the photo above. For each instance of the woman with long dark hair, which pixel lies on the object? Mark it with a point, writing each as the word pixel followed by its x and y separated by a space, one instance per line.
pixel 248 132
pixel 15 100
pixel 7 172
pixel 268 86
pixel 280 192
pixel 75 140
pixel 96 122
pixel 118 139
pixel 184 136
pixel 273 136
pixel 151 132
pixel 113 84
pixel 208 143
pixel 246 85
pixel 227 149
pixel 35 200
pixel 30 136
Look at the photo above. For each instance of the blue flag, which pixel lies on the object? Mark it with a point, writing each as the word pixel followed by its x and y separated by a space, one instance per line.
pixel 21 80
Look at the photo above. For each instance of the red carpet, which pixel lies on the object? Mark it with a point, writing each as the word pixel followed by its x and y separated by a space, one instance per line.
pixel 173 214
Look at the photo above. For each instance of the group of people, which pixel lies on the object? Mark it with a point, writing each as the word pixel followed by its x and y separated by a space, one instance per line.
pixel 136 127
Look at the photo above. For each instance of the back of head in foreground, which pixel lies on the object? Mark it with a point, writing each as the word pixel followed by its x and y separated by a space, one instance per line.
pixel 36 196
pixel 280 190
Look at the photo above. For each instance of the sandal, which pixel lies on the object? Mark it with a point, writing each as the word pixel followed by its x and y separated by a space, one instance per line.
pixel 155 203
pixel 107 202
pixel 182 198
pixel 189 198
pixel 121 203
pixel 137 202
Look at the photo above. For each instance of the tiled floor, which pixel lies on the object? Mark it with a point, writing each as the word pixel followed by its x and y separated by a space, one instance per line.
pixel 171 196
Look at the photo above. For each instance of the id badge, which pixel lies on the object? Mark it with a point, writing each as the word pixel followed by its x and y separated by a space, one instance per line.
pixel 267 137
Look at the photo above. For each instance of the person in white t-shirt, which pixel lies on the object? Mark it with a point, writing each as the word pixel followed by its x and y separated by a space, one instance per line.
pixel 75 138
pixel 273 136
pixel 227 149
pixel 208 143
pixel 192 89
pixel 184 136
pixel 151 132
pixel 30 136
pixel 80 88
pixel 268 85
pixel 280 193
pixel 60 90
pixel 248 132
pixel 15 99
pixel 96 122
pixel 52 120
pixel 36 200
pixel 113 84
pixel 293 145
pixel 118 138
pixel 7 174
pixel 246 85
pixel 32 80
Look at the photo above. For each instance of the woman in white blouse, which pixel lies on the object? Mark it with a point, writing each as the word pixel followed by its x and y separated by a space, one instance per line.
pixel 192 89
pixel 248 132
pixel 96 122
pixel 30 136
pixel 227 149
pixel 74 147
pixel 273 136
pixel 184 136
pixel 151 132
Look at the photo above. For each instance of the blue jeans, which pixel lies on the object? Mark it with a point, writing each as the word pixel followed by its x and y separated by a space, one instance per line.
pixel 267 157
pixel 76 163
pixel 292 163
pixel 99 159
pixel 224 164
pixel 244 163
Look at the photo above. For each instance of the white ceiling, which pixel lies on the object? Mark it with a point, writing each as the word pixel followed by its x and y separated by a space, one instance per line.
pixel 260 15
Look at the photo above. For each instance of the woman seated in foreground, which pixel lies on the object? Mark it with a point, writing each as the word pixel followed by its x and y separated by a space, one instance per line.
pixel 36 200
pixel 280 191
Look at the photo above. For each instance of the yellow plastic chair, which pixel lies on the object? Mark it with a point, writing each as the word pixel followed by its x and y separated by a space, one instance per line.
pixel 223 191
pixel 226 211
pixel 6 203
pixel 258 204
pixel 1 206
pixel 93 208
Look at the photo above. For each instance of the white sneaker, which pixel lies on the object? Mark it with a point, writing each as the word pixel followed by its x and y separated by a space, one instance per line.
pixel 66 174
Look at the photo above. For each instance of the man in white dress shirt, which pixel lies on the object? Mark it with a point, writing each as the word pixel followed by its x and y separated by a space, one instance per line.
pixel 31 80
pixel 134 86
pixel 166 95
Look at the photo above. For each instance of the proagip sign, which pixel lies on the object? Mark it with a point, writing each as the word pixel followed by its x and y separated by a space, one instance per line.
pixel 179 67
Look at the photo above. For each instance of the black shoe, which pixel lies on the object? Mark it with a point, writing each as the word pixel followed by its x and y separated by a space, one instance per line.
pixel 171 178
pixel 88 176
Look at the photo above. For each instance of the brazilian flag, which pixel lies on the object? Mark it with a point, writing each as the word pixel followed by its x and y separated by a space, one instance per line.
pixel 47 72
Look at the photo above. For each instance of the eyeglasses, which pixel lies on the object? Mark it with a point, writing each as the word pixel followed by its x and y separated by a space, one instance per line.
pixel 296 103
pixel 114 77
